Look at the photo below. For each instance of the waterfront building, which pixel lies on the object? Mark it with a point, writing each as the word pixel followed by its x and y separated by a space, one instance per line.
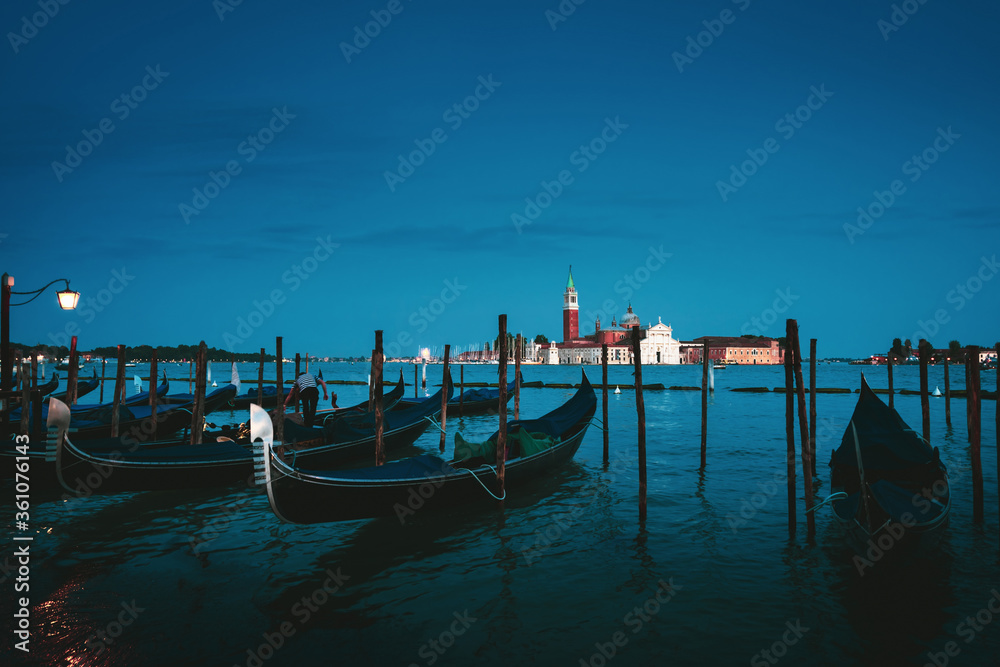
pixel 656 342
pixel 734 350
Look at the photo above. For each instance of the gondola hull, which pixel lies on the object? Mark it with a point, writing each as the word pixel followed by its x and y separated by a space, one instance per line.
pixel 898 499
pixel 299 494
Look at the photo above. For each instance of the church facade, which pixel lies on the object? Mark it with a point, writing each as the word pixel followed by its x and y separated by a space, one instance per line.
pixel 656 341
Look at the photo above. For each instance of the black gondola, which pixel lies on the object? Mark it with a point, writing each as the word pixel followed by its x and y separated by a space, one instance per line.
pixel 301 495
pixel 117 464
pixel 472 401
pixel 82 388
pixel 889 485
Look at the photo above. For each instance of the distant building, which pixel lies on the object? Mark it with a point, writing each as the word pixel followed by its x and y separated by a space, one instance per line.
pixel 734 350
pixel 656 342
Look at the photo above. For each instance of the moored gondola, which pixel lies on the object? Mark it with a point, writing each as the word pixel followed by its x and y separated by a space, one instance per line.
pixel 890 487
pixel 299 494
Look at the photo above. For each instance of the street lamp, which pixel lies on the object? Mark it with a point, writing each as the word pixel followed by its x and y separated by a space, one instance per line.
pixel 67 301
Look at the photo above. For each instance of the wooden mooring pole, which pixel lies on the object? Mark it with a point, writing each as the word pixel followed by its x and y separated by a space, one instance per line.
pixel 790 428
pixel 461 390
pixel 923 351
pixel 640 408
pixel 604 397
pixel 889 358
pixel 104 363
pixel 501 454
pixel 996 410
pixel 201 379
pixel 279 418
pixel 517 377
pixel 73 372
pixel 298 360
pixel 800 390
pixel 377 384
pixel 260 380
pixel 445 381
pixel 812 402
pixel 119 387
pixel 704 405
pixel 947 393
pixel 416 380
pixel 974 424
pixel 153 398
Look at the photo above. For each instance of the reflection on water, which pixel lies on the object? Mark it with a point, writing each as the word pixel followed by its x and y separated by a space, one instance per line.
pixel 552 577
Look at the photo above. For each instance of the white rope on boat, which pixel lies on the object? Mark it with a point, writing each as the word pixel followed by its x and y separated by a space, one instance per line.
pixel 475 477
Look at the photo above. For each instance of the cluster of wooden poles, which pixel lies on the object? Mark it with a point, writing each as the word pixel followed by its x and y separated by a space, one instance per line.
pixel 794 393
pixel 794 387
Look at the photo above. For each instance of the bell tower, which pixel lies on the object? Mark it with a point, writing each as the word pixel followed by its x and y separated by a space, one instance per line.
pixel 571 310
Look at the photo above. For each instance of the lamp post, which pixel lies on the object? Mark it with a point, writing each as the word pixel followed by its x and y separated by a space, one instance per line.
pixel 67 301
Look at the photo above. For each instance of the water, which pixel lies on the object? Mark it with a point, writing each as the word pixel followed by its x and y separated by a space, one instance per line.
pixel 564 574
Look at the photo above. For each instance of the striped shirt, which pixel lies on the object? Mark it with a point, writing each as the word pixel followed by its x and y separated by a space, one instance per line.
pixel 306 381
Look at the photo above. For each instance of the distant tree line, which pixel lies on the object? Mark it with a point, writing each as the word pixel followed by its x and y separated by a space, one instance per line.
pixel 142 352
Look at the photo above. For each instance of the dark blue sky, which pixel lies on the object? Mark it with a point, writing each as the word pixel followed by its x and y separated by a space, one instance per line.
pixel 716 186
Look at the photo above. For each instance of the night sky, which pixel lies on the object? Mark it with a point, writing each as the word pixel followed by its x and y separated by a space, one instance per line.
pixel 232 172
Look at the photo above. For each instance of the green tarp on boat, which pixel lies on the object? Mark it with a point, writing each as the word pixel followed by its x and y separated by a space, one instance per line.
pixel 519 443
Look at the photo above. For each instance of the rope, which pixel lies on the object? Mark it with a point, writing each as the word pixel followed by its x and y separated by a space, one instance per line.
pixel 436 425
pixel 840 495
pixel 484 486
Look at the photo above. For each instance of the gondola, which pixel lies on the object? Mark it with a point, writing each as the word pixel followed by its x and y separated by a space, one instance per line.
pixel 471 401
pixel 99 411
pixel 133 419
pixel 353 436
pixel 298 494
pixel 890 487
pixel 390 400
pixel 82 388
pixel 112 465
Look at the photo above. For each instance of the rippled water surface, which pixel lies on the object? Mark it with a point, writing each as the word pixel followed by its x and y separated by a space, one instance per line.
pixel 563 574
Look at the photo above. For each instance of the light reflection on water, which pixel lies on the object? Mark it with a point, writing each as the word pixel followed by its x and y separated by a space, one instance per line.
pixel 551 577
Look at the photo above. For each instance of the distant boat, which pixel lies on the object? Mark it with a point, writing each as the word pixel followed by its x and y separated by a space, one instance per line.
pixel 617 390
pixel 937 392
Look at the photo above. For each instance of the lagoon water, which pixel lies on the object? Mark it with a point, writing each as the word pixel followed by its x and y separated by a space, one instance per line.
pixel 563 574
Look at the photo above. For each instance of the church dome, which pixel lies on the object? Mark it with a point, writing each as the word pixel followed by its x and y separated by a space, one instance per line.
pixel 629 319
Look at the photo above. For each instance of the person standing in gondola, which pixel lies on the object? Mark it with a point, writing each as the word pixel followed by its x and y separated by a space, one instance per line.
pixel 306 391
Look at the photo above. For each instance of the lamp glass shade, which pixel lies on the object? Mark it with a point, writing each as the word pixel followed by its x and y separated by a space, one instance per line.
pixel 68 299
